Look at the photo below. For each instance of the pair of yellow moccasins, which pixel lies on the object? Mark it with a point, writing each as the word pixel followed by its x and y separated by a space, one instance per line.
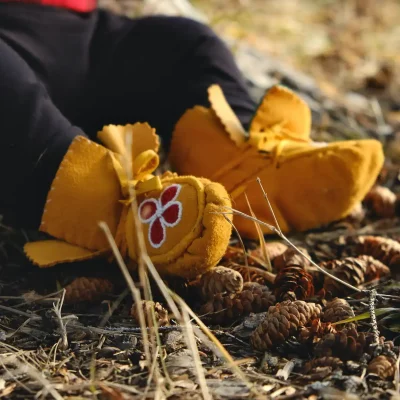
pixel 308 184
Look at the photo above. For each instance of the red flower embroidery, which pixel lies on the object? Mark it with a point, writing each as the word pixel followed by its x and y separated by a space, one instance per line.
pixel 161 213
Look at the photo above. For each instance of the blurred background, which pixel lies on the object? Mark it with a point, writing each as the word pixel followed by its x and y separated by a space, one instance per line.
pixel 343 56
pixel 343 44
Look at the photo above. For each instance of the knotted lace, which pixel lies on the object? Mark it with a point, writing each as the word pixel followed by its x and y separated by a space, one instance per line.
pixel 271 141
pixel 142 181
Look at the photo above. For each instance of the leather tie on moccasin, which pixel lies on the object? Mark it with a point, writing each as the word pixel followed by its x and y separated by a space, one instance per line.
pixel 184 234
pixel 308 183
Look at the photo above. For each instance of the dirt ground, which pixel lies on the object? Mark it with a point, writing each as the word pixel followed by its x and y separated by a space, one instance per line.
pixel 70 332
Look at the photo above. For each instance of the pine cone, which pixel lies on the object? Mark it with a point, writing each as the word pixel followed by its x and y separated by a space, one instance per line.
pixel 235 254
pixel 223 309
pixel 282 321
pixel 291 257
pixel 161 314
pixel 337 310
pixel 87 289
pixel 332 362
pixel 347 344
pixel 315 330
pixel 272 249
pixel 182 287
pixel 383 249
pixel 351 270
pixel 375 269
pixel 252 274
pixel 293 283
pixel 381 200
pixel 383 366
pixel 220 280
pixel 355 271
pixel 357 214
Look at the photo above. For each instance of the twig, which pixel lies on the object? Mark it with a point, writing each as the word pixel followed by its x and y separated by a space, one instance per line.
pixel 11 334
pixel 268 276
pixel 397 374
pixel 113 307
pixel 62 326
pixel 374 323
pixel 32 316
pixel 124 331
pixel 282 236
pixel 388 296
pixel 38 298
pixel 377 110
pixel 273 229
pixel 292 245
pixel 285 372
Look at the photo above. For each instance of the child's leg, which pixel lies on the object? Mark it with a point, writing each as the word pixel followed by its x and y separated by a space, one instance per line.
pixel 153 69
pixel 34 136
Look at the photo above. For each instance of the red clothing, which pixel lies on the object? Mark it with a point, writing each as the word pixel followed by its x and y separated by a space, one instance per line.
pixel 74 5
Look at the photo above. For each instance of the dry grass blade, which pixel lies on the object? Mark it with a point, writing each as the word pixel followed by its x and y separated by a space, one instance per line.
pixel 135 292
pixel 260 237
pixel 136 295
pixel 397 375
pixel 189 337
pixel 145 264
pixel 26 368
pixel 113 307
pixel 188 332
pixel 15 379
pixel 62 326
pixel 195 353
pixel 127 159
pixel 152 369
pixel 269 205
pixel 144 280
pixel 246 262
pixel 268 276
pixel 150 361
pixel 231 363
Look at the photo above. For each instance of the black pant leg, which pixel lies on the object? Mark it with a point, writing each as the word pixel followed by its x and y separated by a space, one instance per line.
pixel 154 68
pixel 44 100
pixel 34 137
pixel 150 69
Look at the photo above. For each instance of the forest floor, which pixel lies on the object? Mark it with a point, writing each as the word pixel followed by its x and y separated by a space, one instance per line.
pixel 53 346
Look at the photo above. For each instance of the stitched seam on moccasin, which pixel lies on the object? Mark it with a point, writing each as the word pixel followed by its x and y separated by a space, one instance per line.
pixel 246 153
pixel 181 247
pixel 323 151
pixel 180 262
pixel 194 234
pixel 41 264
pixel 66 236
